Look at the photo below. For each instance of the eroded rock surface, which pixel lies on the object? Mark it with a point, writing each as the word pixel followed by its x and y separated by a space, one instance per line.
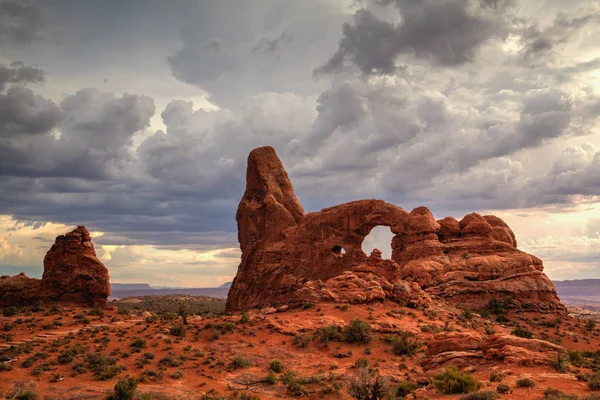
pixel 72 274
pixel 289 257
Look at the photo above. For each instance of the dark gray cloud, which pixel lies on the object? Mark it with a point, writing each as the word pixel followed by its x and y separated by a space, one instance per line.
pixel 20 22
pixel 18 72
pixel 455 139
pixel 447 32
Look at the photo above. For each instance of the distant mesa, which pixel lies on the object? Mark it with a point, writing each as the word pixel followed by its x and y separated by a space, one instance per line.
pixel 290 257
pixel 226 285
pixel 72 274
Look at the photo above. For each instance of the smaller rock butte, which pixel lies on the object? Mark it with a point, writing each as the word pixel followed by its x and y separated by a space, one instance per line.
pixel 290 257
pixel 72 274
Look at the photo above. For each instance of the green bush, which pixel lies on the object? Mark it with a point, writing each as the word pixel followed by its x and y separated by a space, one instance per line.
pixel 453 381
pixel 594 381
pixel 358 331
pixel 308 305
pixel 525 382
pixel 561 364
pixel 239 362
pixel 403 389
pixel 276 366
pixel 326 334
pixel 138 343
pixel 361 363
pixel 271 378
pixel 496 377
pixel 555 394
pixel 590 324
pixel 522 332
pixel 178 330
pixel 503 388
pixel 10 311
pixel 480 395
pixel 177 374
pixel 301 340
pixel 26 395
pixel 405 344
pixel 124 389
pixel 245 318
pixel 151 318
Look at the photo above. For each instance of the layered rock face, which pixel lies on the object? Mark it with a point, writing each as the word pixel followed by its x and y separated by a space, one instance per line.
pixel 289 257
pixel 72 274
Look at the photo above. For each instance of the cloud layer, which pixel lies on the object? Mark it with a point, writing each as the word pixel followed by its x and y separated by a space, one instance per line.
pixel 459 105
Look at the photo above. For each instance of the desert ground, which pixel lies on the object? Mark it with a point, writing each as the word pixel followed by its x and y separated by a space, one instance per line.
pixel 73 353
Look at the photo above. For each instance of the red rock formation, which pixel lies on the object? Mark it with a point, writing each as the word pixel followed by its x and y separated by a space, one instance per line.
pixel 72 274
pixel 289 257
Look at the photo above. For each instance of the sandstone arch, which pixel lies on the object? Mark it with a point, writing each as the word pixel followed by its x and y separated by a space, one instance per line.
pixel 289 257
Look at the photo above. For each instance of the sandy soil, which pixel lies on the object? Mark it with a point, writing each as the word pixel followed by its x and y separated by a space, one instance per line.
pixel 201 363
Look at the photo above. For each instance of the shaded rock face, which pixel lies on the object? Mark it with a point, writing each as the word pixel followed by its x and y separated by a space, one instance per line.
pixel 289 257
pixel 72 274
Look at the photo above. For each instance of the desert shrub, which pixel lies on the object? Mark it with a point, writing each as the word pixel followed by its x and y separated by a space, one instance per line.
pixel 67 355
pixel 405 344
pixel 357 331
pixel 363 386
pixel 496 377
pixel 124 389
pixel 466 315
pixel 503 388
pixel 177 374
pixel 590 324
pixel 96 312
pixel 5 367
pixel 10 311
pixel 308 305
pixel 576 358
pixel 151 318
pixel 27 394
pixel 525 382
pixel 292 382
pixel 594 381
pixel 138 343
pixel 555 394
pixel 326 334
pixel 178 330
pixel 301 340
pixel 245 318
pixel 103 367
pixel 271 378
pixel 561 364
pixel 453 381
pixel 402 389
pixel 240 362
pixel 480 395
pixel 170 361
pixel 276 366
pixel 502 318
pixel 522 332
pixel 361 363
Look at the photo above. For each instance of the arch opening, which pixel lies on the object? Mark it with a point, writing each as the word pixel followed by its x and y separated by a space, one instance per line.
pixel 380 238
pixel 338 250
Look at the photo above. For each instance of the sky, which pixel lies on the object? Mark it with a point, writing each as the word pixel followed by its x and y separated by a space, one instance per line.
pixel 135 118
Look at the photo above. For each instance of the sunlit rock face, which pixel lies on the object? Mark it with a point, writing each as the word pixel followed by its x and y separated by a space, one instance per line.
pixel 72 274
pixel 290 257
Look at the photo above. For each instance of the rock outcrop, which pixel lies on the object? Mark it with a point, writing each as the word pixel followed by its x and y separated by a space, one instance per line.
pixel 72 274
pixel 462 348
pixel 289 257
